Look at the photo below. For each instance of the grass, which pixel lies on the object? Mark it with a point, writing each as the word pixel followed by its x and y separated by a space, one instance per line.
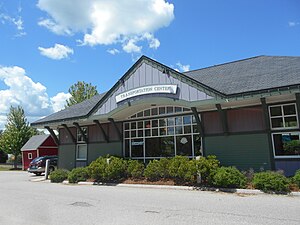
pixel 8 168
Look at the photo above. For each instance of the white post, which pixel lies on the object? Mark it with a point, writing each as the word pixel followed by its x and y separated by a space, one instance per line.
pixel 47 169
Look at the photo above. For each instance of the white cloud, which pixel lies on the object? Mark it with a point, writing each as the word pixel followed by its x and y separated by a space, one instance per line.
pixel 57 52
pixel 113 51
pixel 58 102
pixel 182 68
pixel 105 22
pixel 16 21
pixel 32 96
pixel 293 24
pixel 131 46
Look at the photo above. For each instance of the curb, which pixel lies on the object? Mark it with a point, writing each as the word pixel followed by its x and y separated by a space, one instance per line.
pixel 186 188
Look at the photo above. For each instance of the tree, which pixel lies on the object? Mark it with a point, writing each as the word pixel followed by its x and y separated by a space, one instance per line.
pixel 3 155
pixel 17 132
pixel 80 92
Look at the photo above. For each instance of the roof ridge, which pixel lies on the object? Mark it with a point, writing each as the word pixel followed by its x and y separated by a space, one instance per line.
pixel 235 61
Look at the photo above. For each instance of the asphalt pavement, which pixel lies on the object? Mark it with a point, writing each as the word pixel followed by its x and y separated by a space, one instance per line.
pixel 25 202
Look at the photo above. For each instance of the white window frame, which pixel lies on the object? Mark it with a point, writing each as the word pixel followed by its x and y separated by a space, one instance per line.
pixel 283 117
pixel 79 134
pixel 81 159
pixel 284 156
pixel 29 155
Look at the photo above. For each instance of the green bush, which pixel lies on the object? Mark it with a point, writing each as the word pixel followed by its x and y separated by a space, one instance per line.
pixel 181 168
pixel 207 167
pixel 271 181
pixel 296 178
pixel 107 169
pixel 78 174
pixel 157 169
pixel 135 169
pixel 229 177
pixel 59 175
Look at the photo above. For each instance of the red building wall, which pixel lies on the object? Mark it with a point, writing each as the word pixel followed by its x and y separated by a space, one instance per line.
pixel 25 158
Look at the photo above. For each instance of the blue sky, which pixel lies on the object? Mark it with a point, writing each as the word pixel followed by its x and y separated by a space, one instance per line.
pixel 48 45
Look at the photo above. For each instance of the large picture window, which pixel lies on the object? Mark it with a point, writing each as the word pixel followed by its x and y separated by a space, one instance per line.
pixel 286 145
pixel 163 137
pixel 283 116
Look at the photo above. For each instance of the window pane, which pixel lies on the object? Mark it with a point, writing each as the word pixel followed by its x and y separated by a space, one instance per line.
pixel 167 146
pixel 186 109
pixel 170 121
pixel 286 144
pixel 81 152
pixel 153 147
pixel 133 133
pixel 289 110
pixel 127 148
pixel 147 124
pixel 195 129
pixel 162 122
pixel 154 123
pixel 275 111
pixel 147 112
pixel 197 145
pixel 187 120
pixel 137 148
pixel 162 110
pixel 170 130
pixel 178 109
pixel 140 133
pixel 187 129
pixel 127 134
pixel 170 109
pixel 126 126
pixel 163 131
pixel 154 112
pixel 290 121
pixel 178 120
pixel 133 125
pixel 155 132
pixel 133 116
pixel 277 122
pixel 178 129
pixel 184 145
pixel 140 125
pixel 147 132
pixel 140 114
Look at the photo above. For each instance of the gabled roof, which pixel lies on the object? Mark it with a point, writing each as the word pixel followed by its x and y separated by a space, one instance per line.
pixel 35 142
pixel 257 74
pixel 250 75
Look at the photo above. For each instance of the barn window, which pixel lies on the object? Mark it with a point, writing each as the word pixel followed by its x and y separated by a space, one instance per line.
pixel 29 155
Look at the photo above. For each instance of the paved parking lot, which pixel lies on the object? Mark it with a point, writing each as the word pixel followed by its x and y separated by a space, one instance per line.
pixel 26 202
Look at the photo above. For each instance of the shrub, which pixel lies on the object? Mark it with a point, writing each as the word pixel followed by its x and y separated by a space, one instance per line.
pixel 78 174
pixel 157 169
pixel 271 181
pixel 181 168
pixel 107 168
pixel 135 169
pixel 207 167
pixel 229 177
pixel 296 178
pixel 59 175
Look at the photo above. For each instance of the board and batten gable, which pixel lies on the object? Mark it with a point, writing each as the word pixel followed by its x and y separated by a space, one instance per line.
pixel 145 75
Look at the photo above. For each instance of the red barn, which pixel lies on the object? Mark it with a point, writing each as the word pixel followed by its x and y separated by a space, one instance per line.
pixel 36 146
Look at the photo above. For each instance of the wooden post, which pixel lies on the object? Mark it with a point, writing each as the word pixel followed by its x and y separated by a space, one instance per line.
pixel 116 128
pixel 53 135
pixel 223 116
pixel 69 132
pixel 102 130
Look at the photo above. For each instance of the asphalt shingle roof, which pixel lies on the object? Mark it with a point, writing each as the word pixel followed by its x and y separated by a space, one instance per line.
pixel 252 74
pixel 35 142
pixel 75 111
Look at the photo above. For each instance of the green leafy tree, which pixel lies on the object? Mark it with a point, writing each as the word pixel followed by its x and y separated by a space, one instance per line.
pixel 3 155
pixel 80 92
pixel 17 132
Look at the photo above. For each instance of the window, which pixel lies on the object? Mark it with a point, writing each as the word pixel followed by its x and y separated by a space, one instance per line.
pixel 283 116
pixel 29 155
pixel 79 135
pixel 81 153
pixel 286 145
pixel 162 110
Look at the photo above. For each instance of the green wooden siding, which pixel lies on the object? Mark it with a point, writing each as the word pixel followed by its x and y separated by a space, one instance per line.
pixel 243 151
pixel 101 149
pixel 66 156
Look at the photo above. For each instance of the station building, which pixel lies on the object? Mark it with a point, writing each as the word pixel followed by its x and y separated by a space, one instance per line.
pixel 245 112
